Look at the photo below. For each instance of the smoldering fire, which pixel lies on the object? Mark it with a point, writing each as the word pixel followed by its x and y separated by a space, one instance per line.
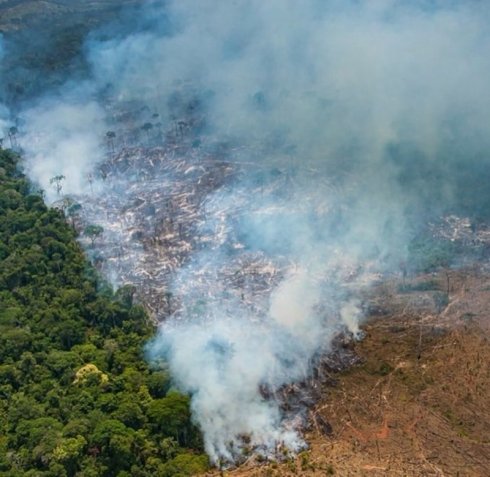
pixel 346 125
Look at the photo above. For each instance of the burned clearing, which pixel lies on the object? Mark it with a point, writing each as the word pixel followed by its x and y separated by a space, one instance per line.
pixel 418 403
pixel 155 212
pixel 299 199
pixel 410 398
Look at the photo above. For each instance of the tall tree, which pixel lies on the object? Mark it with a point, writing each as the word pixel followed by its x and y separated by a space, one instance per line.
pixel 93 232
pixel 57 183
pixel 147 127
pixel 111 136
pixel 13 136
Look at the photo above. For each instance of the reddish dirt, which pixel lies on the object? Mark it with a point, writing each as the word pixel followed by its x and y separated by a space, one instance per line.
pixel 419 405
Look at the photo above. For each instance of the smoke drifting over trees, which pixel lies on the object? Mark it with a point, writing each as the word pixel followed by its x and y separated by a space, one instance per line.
pixel 376 113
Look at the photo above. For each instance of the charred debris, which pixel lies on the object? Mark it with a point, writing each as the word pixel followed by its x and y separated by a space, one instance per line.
pixel 154 207
pixel 153 203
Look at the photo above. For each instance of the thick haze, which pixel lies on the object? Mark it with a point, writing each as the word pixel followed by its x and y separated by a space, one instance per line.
pixel 4 112
pixel 376 112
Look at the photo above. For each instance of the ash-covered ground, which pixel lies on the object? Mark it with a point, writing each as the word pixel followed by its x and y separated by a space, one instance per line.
pixel 153 209
pixel 266 164
pixel 165 210
pixel 155 203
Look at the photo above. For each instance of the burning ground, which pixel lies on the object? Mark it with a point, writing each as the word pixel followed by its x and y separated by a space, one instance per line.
pixel 418 405
pixel 170 231
pixel 266 165
pixel 153 229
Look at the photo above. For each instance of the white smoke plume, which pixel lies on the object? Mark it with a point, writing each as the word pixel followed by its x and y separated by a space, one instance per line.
pixel 4 111
pixel 376 114
pixel 63 137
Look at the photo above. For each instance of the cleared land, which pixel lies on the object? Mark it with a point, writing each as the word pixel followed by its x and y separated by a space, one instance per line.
pixel 419 405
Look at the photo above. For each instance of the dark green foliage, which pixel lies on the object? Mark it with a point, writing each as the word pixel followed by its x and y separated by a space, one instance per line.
pixel 184 465
pixel 76 395
pixel 93 232
pixel 427 254
pixel 426 285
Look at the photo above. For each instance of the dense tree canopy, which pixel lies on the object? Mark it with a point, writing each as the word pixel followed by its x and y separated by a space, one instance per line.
pixel 77 397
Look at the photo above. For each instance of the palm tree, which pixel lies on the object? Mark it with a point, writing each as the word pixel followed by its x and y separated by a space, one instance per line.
pixel 58 182
pixel 111 135
pixel 13 137
pixel 147 127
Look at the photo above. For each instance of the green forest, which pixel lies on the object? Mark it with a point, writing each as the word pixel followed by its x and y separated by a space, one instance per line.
pixel 77 396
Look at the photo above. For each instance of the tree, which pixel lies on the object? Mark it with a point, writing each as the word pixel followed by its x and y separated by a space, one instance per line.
pixel 93 232
pixel 70 353
pixel 111 136
pixel 65 203
pixel 114 441
pixel 57 182
pixel 73 212
pixel 125 295
pixel 90 374
pixel 130 413
pixel 90 178
pixel 70 332
pixel 171 415
pixel 13 137
pixel 68 452
pixel 147 127
pixel 185 465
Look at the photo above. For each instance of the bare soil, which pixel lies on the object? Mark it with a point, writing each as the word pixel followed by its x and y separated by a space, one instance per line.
pixel 419 404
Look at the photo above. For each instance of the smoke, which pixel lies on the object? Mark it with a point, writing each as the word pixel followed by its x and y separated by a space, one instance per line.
pixel 4 111
pixel 351 123
pixel 230 347
pixel 62 138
